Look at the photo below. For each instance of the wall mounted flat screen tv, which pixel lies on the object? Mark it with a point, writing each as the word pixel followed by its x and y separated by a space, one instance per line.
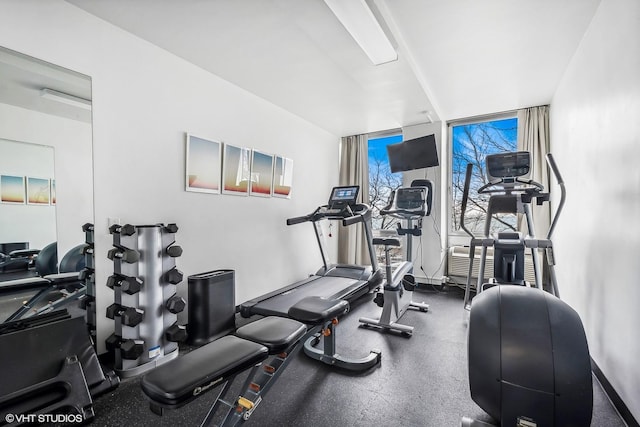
pixel 413 154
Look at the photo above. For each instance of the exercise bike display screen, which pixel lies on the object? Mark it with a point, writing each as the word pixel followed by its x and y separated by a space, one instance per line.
pixel 342 196
pixel 410 199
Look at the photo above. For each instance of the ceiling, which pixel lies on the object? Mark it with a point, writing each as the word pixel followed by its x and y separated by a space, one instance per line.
pixel 23 78
pixel 456 58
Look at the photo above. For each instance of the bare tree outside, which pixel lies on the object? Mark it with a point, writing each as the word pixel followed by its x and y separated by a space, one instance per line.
pixel 471 143
pixel 382 182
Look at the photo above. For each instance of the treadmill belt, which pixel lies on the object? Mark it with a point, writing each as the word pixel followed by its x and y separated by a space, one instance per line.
pixel 321 286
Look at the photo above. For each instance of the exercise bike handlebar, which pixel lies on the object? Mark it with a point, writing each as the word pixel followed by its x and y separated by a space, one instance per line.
pixel 529 185
pixel 556 172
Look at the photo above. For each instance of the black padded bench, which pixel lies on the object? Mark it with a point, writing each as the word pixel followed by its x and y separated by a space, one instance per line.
pixel 181 380
pixel 277 339
pixel 69 283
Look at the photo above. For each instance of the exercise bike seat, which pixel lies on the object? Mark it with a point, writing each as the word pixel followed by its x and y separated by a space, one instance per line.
pixel 278 334
pixel 316 310
pixel 181 380
pixel 388 241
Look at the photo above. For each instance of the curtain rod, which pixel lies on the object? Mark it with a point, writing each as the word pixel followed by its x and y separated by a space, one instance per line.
pixel 491 116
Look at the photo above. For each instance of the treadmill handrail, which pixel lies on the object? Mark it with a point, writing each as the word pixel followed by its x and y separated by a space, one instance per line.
pixel 347 215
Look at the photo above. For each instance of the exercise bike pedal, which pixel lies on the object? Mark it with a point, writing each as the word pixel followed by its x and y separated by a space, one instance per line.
pixel 379 299
pixel 409 283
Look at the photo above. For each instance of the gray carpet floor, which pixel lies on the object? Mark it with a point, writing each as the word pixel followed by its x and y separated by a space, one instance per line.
pixel 421 381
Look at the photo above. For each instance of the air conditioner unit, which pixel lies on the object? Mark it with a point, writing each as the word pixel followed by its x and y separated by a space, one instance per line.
pixel 458 265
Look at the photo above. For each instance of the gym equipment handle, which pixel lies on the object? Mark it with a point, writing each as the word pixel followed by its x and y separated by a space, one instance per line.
pixel 351 220
pixel 298 220
pixel 556 172
pixel 554 168
pixel 465 198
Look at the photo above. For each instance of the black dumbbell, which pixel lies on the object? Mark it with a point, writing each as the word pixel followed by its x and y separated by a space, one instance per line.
pixel 176 333
pixel 85 274
pixel 87 249
pixel 129 285
pixel 171 228
pixel 112 342
pixel 131 349
pixel 124 254
pixel 174 276
pixel 175 304
pixel 85 300
pixel 174 251
pixel 124 230
pixel 129 316
pixel 87 227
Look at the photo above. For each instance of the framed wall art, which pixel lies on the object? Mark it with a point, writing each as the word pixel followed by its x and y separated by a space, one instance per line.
pixel 236 170
pixel 12 189
pixel 38 191
pixel 261 174
pixel 203 165
pixel 282 177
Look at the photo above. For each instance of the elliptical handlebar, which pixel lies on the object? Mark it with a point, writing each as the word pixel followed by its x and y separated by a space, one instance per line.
pixel 465 198
pixel 563 194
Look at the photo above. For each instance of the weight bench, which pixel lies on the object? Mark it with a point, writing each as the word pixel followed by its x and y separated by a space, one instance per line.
pixel 68 284
pixel 266 346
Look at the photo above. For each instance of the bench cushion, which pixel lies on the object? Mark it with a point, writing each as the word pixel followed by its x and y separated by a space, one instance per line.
pixel 181 380
pixel 276 333
pixel 20 284
pixel 316 310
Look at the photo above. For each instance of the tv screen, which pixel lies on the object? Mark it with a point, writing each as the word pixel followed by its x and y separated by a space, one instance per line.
pixel 413 154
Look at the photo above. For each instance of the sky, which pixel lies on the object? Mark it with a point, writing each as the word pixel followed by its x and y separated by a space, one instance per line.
pixel 378 147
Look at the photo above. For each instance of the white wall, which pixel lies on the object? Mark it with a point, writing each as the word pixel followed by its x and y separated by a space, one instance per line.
pixel 595 137
pixel 71 142
pixel 144 100
pixel 428 250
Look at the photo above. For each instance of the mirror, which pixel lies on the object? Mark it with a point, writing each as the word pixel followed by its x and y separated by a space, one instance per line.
pixel 46 165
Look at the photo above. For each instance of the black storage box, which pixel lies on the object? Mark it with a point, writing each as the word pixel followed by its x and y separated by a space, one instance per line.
pixel 212 306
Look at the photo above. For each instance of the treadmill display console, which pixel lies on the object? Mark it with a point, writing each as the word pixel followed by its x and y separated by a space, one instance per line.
pixel 343 196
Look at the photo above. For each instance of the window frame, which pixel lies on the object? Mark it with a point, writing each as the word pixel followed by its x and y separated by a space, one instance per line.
pixel 459 237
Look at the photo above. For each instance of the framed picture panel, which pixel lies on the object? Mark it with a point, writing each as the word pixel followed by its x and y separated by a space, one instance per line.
pixel 261 174
pixel 236 170
pixel 53 191
pixel 282 177
pixel 38 191
pixel 203 165
pixel 12 189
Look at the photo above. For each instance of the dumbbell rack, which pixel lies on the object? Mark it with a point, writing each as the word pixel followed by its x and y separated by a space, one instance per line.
pixel 146 305
pixel 87 275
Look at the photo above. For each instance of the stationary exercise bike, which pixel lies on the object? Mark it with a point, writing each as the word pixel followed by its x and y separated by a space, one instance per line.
pixel 407 204
pixel 528 357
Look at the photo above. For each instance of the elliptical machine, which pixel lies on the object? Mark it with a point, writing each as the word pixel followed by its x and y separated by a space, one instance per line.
pixel 528 356
pixel 407 204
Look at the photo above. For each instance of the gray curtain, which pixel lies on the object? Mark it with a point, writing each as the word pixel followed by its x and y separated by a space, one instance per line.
pixel 354 170
pixel 533 136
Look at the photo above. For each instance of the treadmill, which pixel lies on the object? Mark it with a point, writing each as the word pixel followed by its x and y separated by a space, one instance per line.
pixel 335 281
